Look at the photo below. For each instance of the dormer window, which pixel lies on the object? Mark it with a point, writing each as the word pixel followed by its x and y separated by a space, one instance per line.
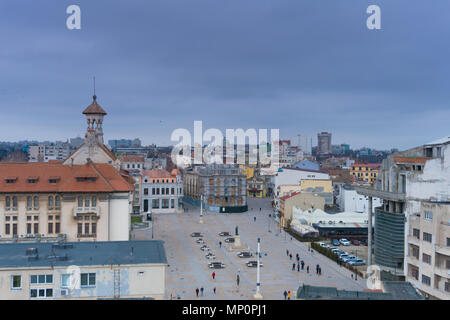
pixel 10 180
pixel 53 180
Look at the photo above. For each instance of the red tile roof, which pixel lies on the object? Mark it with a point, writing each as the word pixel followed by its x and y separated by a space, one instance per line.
pixel 132 158
pixel 411 159
pixel 107 179
pixel 289 195
pixel 369 165
pixel 94 108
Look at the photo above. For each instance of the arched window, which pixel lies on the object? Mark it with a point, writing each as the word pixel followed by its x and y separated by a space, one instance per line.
pixel 8 202
pixel 94 201
pixel 80 202
pixel 57 202
pixel 14 202
pixel 50 202
pixel 36 202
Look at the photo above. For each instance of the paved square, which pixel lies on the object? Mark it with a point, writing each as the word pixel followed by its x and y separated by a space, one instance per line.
pixel 188 267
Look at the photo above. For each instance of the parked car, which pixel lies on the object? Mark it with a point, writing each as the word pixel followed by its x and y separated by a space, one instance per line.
pixel 357 262
pixel 224 234
pixel 229 240
pixel 200 241
pixel 253 264
pixel 322 244
pixel 356 242
pixel 335 250
pixel 335 242
pixel 331 248
pixel 204 248
pixel 210 255
pixel 244 254
pixel 216 265
pixel 344 242
pixel 349 258
pixel 341 253
pixel 343 256
pixel 196 234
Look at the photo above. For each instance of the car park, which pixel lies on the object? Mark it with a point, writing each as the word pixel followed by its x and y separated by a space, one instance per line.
pixel 204 248
pixel 210 255
pixel 224 234
pixel 356 242
pixel 196 234
pixel 244 254
pixel 344 242
pixel 253 264
pixel 200 241
pixel 216 265
pixel 229 240
pixel 335 242
pixel 357 262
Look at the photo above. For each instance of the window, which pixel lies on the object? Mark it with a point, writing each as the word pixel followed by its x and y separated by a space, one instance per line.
pixel 36 203
pixel 448 242
pixel 94 201
pixel 415 252
pixel 7 203
pixel 426 258
pixel 155 203
pixel 87 279
pixel 146 191
pixel 14 203
pixel 57 202
pixel 172 203
pixel 447 286
pixel 165 203
pixel 80 202
pixel 16 282
pixel 428 215
pixel 65 280
pixel 426 280
pixel 416 233
pixel 427 237
pixel 41 279
pixel 41 293
pixel 50 202
pixel 86 202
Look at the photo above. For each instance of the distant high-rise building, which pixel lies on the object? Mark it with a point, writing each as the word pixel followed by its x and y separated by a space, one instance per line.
pixel 305 144
pixel 323 143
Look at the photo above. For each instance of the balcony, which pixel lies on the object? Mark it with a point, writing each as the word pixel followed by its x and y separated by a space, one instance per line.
pixel 444 250
pixel 440 270
pixel 414 240
pixel 86 210
pixel 84 235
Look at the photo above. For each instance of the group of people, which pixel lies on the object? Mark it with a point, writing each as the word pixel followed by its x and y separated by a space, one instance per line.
pixel 287 295
pixel 300 265
pixel 201 290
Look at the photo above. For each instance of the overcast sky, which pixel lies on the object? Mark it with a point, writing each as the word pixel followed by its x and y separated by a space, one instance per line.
pixel 302 66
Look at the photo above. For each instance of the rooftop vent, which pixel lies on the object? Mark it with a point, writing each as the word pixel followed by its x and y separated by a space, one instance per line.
pixel 62 245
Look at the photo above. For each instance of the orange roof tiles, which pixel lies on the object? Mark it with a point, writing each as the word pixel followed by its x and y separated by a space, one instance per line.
pixel 157 174
pixel 289 196
pixel 369 165
pixel 411 159
pixel 132 158
pixel 108 179
pixel 94 108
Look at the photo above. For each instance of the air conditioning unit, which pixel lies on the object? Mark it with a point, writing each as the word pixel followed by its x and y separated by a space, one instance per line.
pixel 64 292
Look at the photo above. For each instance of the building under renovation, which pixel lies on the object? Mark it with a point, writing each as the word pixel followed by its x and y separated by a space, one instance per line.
pixel 223 187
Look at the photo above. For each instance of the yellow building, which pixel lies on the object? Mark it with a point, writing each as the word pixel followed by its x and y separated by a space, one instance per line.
pixel 304 201
pixel 256 187
pixel 316 185
pixel 365 172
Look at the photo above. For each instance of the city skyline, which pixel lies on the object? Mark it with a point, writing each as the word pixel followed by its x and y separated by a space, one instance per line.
pixel 300 67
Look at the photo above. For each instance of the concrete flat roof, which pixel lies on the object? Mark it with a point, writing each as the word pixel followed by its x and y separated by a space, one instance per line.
pixel 14 255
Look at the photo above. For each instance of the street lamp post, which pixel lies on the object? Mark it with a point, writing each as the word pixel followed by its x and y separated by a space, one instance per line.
pixel 258 269
pixel 201 209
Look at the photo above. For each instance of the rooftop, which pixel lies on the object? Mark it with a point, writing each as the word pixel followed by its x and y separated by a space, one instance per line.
pixel 57 177
pixel 94 108
pixel 82 253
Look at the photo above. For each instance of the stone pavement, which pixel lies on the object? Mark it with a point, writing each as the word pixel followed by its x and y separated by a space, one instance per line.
pixel 188 267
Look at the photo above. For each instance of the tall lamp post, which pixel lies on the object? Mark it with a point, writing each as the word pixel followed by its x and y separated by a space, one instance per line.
pixel 258 294
pixel 201 209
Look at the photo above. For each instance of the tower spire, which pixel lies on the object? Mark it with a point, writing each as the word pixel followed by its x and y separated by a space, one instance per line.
pixel 95 96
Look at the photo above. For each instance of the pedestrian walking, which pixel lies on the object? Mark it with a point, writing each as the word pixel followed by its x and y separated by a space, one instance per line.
pixel 201 290
pixel 298 267
pixel 307 269
pixel 290 256
pixel 196 292
pixel 285 294
pixel 293 267
pixel 317 269
pixel 303 264
pixel 289 295
pixel 254 219
pixel 214 275
pixel 287 253
pixel 214 290
pixel 220 244
pixel 320 271
pixel 238 279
